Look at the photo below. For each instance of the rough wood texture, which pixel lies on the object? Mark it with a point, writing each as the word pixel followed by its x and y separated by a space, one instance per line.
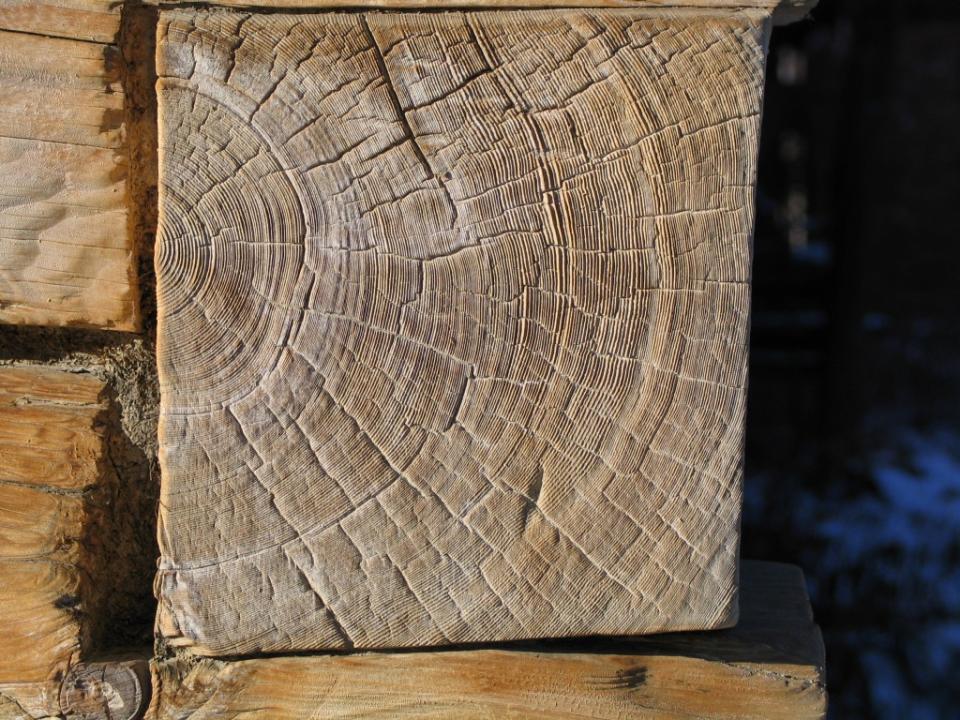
pixel 453 315
pixel 109 690
pixel 91 20
pixel 783 11
pixel 769 667
pixel 51 458
pixel 66 253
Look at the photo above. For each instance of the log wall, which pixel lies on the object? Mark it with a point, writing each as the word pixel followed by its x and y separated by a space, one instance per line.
pixel 65 237
pixel 78 389
pixel 79 392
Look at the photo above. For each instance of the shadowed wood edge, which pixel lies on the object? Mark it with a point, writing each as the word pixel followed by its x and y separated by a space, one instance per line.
pixel 770 666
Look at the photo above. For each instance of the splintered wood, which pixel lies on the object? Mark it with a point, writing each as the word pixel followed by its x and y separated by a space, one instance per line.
pixel 52 456
pixel 453 314
pixel 769 668
pixel 66 254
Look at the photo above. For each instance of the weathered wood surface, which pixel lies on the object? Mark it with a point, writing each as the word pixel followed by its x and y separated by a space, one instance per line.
pixel 52 455
pixel 114 689
pixel 783 11
pixel 771 666
pixel 66 254
pixel 453 315
pixel 91 20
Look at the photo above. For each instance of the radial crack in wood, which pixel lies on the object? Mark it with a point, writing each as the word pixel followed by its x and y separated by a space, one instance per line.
pixel 107 690
pixel 453 315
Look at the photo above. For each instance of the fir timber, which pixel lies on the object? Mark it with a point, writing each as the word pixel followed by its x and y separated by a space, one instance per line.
pixel 782 11
pixel 52 463
pixel 117 688
pixel 66 255
pixel 90 20
pixel 770 667
pixel 453 314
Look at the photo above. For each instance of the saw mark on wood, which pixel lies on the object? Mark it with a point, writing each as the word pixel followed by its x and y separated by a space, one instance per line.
pixel 453 321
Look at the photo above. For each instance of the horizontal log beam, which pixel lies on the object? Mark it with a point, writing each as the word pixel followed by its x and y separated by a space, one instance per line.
pixel 770 666
pixel 66 250
pixel 53 466
pixel 90 20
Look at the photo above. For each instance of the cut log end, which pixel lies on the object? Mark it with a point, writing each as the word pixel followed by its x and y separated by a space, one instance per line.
pixel 106 691
pixel 469 364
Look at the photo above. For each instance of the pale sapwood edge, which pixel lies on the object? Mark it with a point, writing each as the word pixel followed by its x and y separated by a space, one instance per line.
pixel 783 11
pixel 770 667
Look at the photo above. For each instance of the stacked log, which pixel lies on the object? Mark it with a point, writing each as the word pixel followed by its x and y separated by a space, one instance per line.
pixel 449 330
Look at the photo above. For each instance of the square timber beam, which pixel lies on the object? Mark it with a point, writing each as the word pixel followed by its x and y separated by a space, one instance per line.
pixel 453 321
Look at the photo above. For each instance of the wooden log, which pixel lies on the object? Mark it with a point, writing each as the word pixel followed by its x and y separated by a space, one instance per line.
pixel 771 666
pixel 90 20
pixel 52 458
pixel 110 689
pixel 66 252
pixel 783 11
pixel 453 314
pixel 47 428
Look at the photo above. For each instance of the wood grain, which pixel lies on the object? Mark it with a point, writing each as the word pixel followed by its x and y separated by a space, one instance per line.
pixel 51 457
pixel 66 254
pixel 47 439
pixel 91 20
pixel 782 11
pixel 769 667
pixel 453 315
pixel 114 689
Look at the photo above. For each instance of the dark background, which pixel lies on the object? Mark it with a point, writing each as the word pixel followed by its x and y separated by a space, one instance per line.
pixel 853 439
